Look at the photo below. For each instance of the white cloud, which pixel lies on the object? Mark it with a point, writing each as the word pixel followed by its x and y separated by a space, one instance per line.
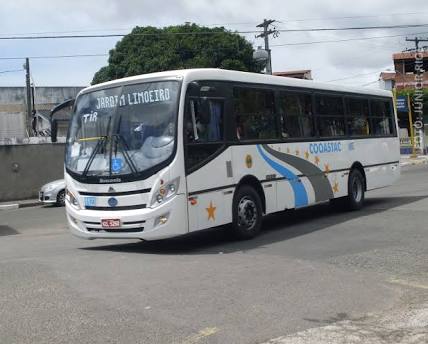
pixel 329 61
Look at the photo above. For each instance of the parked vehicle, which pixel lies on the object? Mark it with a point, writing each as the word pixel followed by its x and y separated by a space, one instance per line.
pixel 53 192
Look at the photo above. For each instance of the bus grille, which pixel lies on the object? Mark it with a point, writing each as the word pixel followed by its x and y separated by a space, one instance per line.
pixel 116 230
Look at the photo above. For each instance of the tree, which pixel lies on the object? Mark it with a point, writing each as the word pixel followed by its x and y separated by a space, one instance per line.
pixel 149 49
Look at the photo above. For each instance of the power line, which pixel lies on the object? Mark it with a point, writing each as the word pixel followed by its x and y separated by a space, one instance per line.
pixel 404 26
pixel 289 20
pixel 353 17
pixel 346 39
pixel 51 56
pixel 352 76
pixel 11 71
pixel 121 35
pixel 64 32
pixel 210 32
pixel 274 45
pixel 370 83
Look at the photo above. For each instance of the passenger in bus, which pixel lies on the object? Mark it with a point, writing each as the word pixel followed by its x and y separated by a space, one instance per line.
pixel 214 126
pixel 239 127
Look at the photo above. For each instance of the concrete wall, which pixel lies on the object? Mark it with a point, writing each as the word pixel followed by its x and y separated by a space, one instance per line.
pixel 13 103
pixel 25 168
pixel 12 125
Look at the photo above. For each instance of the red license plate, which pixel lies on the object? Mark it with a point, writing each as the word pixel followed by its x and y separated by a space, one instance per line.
pixel 110 223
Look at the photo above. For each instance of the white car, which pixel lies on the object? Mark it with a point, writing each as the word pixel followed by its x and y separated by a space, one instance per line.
pixel 53 192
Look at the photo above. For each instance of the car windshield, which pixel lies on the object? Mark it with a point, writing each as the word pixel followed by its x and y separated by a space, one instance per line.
pixel 123 130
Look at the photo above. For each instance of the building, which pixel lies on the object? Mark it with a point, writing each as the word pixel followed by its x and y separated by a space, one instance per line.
pixel 403 81
pixel 298 74
pixel 14 121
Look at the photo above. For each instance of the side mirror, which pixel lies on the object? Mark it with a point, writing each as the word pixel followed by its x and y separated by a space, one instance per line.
pixel 194 86
pixel 205 112
pixel 54 130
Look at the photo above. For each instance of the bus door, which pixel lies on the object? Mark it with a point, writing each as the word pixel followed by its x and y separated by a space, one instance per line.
pixel 207 161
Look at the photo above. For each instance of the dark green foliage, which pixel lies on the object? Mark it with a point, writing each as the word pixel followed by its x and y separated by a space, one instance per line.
pixel 139 53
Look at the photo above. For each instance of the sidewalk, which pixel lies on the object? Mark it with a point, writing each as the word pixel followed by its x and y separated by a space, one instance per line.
pixel 406 160
pixel 404 326
pixel 19 204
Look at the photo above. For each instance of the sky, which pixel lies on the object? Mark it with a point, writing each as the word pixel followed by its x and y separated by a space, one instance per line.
pixel 355 62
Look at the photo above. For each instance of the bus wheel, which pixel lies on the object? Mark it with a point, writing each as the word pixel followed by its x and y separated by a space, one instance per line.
pixel 355 198
pixel 247 213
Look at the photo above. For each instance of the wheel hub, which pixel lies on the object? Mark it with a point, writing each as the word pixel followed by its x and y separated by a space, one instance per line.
pixel 357 190
pixel 247 213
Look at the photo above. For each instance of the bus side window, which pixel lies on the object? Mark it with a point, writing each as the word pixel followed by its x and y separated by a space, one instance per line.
pixel 214 122
pixel 331 115
pixel 204 132
pixel 254 112
pixel 358 116
pixel 382 118
pixel 204 120
pixel 296 115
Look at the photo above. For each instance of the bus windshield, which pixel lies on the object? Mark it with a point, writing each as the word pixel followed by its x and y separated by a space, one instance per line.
pixel 123 130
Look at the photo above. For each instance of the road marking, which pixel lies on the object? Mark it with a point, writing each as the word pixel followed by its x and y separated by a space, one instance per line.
pixel 206 332
pixel 408 283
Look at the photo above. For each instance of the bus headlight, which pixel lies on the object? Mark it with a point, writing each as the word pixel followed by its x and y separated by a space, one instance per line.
pixel 72 199
pixel 165 192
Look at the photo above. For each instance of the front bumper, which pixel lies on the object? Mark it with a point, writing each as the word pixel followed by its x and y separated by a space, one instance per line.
pixel 135 224
pixel 48 197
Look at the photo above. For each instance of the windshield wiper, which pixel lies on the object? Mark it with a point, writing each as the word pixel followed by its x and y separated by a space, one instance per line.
pixel 102 140
pixel 121 141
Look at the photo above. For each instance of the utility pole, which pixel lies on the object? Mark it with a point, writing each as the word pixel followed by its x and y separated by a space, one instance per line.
pixel 265 34
pixel 416 40
pixel 28 88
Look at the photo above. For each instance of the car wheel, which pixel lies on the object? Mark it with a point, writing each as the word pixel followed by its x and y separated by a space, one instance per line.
pixel 355 198
pixel 247 213
pixel 60 198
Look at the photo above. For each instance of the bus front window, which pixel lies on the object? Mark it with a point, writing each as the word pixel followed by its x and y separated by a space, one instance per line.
pixel 123 130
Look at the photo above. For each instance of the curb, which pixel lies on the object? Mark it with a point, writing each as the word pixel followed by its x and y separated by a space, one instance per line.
pixel 9 206
pixel 12 206
pixel 30 204
pixel 414 162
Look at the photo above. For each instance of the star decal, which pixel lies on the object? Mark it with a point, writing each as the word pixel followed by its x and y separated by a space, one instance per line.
pixel 307 155
pixel 317 160
pixel 297 152
pixel 336 187
pixel 326 168
pixel 211 211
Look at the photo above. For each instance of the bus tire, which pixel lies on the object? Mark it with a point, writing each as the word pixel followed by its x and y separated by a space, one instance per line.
pixel 355 198
pixel 247 213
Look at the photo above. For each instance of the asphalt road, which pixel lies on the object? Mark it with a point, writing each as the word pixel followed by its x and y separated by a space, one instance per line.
pixel 308 269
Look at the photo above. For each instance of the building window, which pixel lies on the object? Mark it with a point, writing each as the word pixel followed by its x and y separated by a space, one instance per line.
pixel 296 115
pixel 358 116
pixel 330 114
pixel 254 114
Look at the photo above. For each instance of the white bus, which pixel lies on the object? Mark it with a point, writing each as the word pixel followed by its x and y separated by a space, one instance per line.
pixel 166 154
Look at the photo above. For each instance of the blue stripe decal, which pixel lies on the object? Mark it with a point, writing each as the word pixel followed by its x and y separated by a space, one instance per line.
pixel 300 194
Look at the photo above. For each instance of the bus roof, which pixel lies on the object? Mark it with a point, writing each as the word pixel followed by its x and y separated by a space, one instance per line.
pixel 245 77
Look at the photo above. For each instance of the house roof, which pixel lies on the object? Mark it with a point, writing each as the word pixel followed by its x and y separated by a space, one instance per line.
pixel 411 55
